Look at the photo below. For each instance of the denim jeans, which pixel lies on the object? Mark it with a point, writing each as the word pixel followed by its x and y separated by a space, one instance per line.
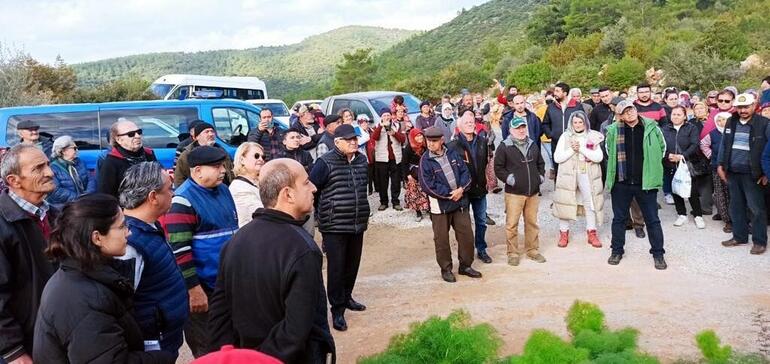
pixel 479 206
pixel 622 194
pixel 746 194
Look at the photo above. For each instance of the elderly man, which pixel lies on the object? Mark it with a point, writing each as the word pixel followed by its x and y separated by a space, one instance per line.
pixel 187 141
pixel 25 226
pixel 204 135
pixel 202 218
pixel 343 215
pixel 445 178
pixel 635 148
pixel 285 318
pixel 127 150
pixel 160 297
pixel 740 166
pixel 474 151
pixel 29 133
pixel 267 134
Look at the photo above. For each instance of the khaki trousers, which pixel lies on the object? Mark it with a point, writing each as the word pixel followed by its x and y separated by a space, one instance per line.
pixel 460 221
pixel 515 205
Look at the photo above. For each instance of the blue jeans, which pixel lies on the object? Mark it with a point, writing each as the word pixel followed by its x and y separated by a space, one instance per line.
pixel 668 177
pixel 479 206
pixel 622 194
pixel 745 194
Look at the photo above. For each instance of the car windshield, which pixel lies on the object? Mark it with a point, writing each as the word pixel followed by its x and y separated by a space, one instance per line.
pixel 278 109
pixel 412 103
pixel 161 89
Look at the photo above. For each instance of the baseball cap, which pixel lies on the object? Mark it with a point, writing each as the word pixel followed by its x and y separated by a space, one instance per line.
pixel 345 131
pixel 517 122
pixel 623 105
pixel 745 99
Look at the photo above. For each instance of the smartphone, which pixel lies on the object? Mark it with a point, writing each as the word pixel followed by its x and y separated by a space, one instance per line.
pixel 270 123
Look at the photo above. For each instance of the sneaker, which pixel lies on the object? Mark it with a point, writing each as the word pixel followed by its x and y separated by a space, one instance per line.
pixel 728 228
pixel 699 223
pixel 614 259
pixel 513 260
pixel 382 207
pixel 397 207
pixel 758 249
pixel 537 257
pixel 669 199
pixel 484 257
pixel 660 263
pixel 490 221
pixel 593 239
pixel 681 220
pixel 732 243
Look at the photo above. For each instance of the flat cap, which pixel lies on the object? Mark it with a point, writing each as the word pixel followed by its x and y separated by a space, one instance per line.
pixel 345 131
pixel 333 118
pixel 433 132
pixel 206 156
pixel 27 124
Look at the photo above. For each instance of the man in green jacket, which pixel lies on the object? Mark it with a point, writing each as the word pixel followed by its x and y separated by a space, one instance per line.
pixel 635 150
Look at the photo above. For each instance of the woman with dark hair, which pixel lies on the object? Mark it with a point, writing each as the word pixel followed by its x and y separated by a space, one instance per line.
pixel 85 310
pixel 683 144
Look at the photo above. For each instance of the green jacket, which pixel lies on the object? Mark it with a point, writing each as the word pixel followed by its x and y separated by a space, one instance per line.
pixel 654 150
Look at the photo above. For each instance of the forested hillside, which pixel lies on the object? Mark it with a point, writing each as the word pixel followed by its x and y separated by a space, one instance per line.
pixel 286 69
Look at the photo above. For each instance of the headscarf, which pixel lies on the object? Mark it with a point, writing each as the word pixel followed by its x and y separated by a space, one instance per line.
pixel 582 115
pixel 418 148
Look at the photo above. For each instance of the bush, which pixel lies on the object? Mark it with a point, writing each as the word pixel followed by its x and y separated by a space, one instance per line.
pixel 584 316
pixel 545 347
pixel 437 340
pixel 709 345
pixel 580 74
pixel 531 77
pixel 624 73
pixel 573 48
pixel 697 69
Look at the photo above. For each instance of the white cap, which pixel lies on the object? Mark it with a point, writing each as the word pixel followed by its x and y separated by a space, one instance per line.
pixel 744 100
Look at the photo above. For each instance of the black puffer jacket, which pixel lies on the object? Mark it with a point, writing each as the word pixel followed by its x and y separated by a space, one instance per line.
pixel 342 207
pixel 300 155
pixel 476 157
pixel 85 317
pixel 684 141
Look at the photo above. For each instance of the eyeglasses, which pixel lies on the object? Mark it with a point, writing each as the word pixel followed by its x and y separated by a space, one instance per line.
pixel 723 101
pixel 75 147
pixel 257 156
pixel 132 133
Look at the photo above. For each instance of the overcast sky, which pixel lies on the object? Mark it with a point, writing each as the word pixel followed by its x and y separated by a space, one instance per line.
pixel 88 30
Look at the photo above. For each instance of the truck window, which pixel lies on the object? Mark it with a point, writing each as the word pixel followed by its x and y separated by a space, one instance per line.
pixel 339 104
pixel 160 126
pixel 81 126
pixel 358 108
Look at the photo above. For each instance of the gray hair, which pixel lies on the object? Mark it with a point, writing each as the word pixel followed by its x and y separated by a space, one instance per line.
pixel 60 144
pixel 139 180
pixel 10 162
pixel 271 183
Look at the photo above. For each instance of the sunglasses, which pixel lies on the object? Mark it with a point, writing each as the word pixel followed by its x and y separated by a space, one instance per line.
pixel 723 101
pixel 132 133
pixel 258 156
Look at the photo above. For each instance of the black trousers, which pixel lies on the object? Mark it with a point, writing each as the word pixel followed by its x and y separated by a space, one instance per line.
pixel 196 333
pixel 384 172
pixel 343 257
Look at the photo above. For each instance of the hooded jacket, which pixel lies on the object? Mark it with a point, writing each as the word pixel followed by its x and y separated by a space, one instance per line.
pixel 279 305
pixel 113 169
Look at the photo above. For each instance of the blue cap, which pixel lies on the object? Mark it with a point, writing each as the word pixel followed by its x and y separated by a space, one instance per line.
pixel 518 121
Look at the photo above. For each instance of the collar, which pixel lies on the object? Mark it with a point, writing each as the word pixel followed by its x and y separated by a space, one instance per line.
pixel 133 222
pixel 434 155
pixel 278 216
pixel 37 211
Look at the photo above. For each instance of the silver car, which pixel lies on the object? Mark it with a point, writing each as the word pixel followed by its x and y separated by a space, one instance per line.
pixel 370 103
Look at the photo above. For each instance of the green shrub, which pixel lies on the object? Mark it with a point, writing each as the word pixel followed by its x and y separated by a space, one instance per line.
pixel 606 342
pixel 580 74
pixel 442 341
pixel 544 347
pixel 624 73
pixel 584 316
pixel 709 345
pixel 531 77
pixel 625 357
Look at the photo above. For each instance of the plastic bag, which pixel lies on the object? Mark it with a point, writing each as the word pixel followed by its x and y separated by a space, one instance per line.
pixel 682 183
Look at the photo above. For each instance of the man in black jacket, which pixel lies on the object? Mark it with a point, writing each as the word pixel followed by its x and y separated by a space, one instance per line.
pixel 127 150
pixel 277 306
pixel 267 134
pixel 557 114
pixel 343 214
pixel 472 148
pixel 25 224
pixel 602 110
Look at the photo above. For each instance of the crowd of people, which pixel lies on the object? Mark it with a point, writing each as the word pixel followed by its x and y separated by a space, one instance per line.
pixel 127 264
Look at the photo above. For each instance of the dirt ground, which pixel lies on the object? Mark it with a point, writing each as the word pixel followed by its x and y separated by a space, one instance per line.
pixel 705 287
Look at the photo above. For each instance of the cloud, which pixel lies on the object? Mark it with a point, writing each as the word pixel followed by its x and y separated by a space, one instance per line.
pixel 88 30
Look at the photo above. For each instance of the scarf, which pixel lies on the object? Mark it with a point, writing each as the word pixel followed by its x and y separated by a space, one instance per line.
pixel 133 157
pixel 620 144
pixel 417 148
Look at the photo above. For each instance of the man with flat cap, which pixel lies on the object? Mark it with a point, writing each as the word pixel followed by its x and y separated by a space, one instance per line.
pixel 29 133
pixel 445 177
pixel 204 134
pixel 201 220
pixel 326 143
pixel 343 216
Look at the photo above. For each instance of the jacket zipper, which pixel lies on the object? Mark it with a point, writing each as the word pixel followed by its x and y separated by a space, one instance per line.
pixel 355 193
